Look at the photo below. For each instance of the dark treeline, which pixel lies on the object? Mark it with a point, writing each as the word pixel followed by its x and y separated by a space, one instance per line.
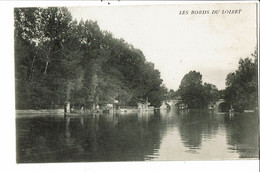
pixel 58 59
pixel 195 93
pixel 242 85
pixel 240 93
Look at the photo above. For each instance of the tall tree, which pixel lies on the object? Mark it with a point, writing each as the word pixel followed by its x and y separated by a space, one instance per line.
pixel 195 94
pixel 210 93
pixel 60 60
pixel 47 33
pixel 241 85
pixel 191 90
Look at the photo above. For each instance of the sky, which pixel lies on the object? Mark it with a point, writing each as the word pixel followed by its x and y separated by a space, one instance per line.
pixel 209 43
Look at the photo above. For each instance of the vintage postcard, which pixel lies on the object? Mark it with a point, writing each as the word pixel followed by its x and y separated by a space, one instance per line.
pixel 142 82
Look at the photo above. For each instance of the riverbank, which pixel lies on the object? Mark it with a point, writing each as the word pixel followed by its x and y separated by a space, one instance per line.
pixel 41 112
pixel 31 111
pixel 60 112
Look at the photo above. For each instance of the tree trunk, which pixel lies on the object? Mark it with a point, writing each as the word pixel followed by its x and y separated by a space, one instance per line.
pixel 31 69
pixel 67 108
pixel 46 66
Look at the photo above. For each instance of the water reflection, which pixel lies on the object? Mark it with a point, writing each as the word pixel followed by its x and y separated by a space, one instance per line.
pixel 193 126
pixel 242 134
pixel 160 135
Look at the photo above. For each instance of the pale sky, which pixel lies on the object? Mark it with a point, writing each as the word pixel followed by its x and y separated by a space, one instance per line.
pixel 177 44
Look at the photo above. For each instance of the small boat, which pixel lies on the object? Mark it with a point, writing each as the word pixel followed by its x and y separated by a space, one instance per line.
pixel 182 107
pixel 211 107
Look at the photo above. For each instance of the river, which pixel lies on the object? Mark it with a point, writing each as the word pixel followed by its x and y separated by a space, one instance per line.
pixel 160 135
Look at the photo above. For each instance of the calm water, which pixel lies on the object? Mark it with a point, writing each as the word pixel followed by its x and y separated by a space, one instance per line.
pixel 136 137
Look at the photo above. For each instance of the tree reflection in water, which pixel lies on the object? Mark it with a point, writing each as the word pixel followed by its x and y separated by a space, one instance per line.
pixel 135 137
pixel 195 125
pixel 98 137
pixel 242 134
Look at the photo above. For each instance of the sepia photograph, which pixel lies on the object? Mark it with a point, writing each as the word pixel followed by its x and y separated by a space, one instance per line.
pixel 154 82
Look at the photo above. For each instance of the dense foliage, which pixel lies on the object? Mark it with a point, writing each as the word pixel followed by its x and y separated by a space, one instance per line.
pixel 241 85
pixel 195 94
pixel 58 59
